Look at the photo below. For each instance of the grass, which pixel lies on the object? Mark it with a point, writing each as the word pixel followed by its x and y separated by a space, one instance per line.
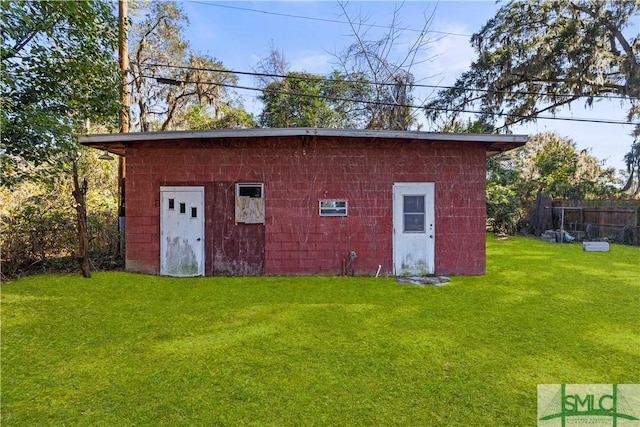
pixel 123 349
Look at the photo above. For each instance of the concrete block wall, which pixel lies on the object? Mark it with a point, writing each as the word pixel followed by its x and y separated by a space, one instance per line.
pixel 298 172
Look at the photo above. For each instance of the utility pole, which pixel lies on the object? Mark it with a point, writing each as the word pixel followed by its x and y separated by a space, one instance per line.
pixel 124 65
pixel 124 114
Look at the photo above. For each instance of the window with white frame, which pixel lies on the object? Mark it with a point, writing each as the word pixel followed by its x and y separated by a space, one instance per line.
pixel 414 214
pixel 333 208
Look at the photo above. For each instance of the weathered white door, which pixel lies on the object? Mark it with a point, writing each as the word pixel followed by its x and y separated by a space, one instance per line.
pixel 413 228
pixel 182 231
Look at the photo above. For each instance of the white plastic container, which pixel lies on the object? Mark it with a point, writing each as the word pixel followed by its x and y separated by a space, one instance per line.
pixel 595 246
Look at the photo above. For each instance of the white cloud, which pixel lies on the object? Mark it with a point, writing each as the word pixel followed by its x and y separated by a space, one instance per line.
pixel 447 57
pixel 312 62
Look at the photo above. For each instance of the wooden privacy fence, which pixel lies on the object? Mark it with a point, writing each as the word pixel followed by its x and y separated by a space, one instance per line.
pixel 615 220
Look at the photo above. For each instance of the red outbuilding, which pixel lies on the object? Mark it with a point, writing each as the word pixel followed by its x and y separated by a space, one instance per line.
pixel 302 201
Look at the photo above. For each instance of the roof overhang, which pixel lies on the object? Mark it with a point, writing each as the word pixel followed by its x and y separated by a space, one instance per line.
pixel 116 143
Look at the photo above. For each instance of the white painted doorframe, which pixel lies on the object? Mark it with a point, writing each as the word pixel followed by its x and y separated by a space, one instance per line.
pixel 182 231
pixel 414 228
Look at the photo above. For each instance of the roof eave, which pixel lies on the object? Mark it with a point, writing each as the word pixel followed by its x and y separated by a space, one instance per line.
pixel 116 143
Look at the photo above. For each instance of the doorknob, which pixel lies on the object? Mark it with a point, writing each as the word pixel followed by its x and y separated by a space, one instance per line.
pixel 198 239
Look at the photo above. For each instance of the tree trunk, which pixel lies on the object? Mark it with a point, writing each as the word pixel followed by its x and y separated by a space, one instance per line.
pixel 541 216
pixel 79 194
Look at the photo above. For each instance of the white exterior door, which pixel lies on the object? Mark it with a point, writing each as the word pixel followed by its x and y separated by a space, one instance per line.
pixel 182 231
pixel 413 229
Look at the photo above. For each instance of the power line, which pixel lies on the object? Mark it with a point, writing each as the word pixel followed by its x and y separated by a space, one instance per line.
pixel 417 85
pixel 178 82
pixel 333 21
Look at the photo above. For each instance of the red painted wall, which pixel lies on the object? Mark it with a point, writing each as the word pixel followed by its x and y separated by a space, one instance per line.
pixel 297 173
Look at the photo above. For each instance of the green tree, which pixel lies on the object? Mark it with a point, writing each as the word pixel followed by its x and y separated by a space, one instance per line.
pixel 199 117
pixel 632 161
pixel 548 164
pixel 293 99
pixel 39 225
pixel 553 165
pixel 371 86
pixel 168 75
pixel 310 100
pixel 58 71
pixel 536 57
pixel 349 95
pixel 505 206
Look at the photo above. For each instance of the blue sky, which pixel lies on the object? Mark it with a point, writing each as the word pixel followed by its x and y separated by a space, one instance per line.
pixel 239 33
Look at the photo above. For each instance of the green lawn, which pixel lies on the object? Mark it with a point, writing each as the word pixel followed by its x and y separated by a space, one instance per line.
pixel 122 349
